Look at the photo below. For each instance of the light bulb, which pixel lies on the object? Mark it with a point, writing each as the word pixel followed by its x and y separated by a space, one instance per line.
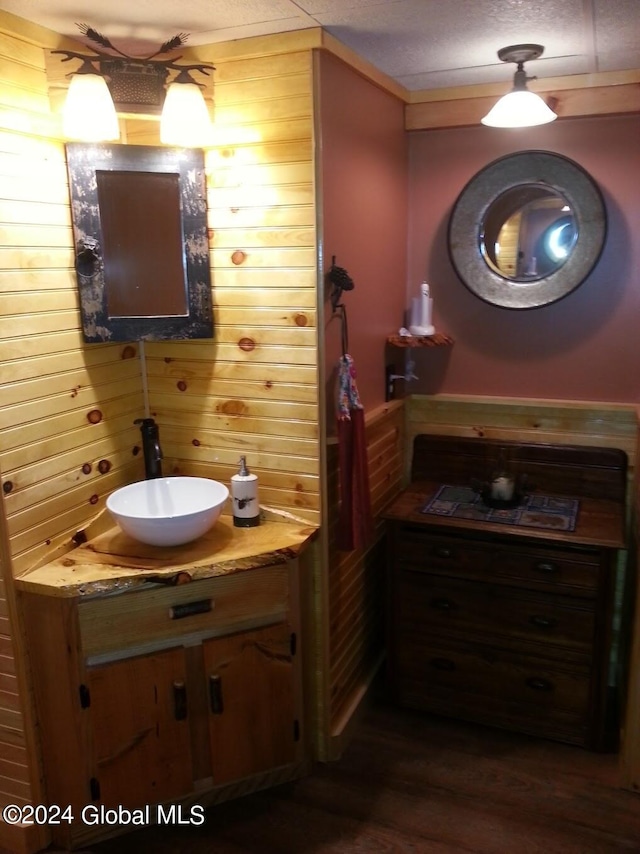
pixel 185 120
pixel 89 113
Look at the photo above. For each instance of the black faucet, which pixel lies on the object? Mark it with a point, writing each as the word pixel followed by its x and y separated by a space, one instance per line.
pixel 151 447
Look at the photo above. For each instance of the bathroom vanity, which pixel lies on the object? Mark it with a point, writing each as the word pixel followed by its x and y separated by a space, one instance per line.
pixel 167 675
pixel 497 621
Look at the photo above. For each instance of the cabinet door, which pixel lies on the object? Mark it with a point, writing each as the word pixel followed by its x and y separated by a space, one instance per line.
pixel 141 745
pixel 251 702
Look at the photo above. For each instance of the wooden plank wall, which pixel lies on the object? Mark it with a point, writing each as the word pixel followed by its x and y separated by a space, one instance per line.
pixel 606 425
pixel 356 579
pixel 50 383
pixel 27 204
pixel 67 410
pixel 253 390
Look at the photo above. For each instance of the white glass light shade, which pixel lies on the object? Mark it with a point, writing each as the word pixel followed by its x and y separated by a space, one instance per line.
pixel 519 109
pixel 185 120
pixel 89 113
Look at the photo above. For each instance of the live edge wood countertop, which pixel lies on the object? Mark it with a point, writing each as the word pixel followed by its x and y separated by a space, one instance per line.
pixel 110 560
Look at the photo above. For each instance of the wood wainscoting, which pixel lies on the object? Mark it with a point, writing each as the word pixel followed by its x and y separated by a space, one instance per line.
pixel 556 422
pixel 354 636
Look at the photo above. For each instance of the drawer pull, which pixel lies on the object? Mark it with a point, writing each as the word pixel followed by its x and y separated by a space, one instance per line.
pixel 443 551
pixel 179 700
pixel 442 664
pixel 546 567
pixel 543 622
pixel 215 695
pixel 539 684
pixel 443 604
pixel 188 609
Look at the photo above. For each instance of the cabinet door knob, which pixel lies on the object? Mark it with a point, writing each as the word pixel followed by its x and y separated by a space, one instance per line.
pixel 443 604
pixel 539 684
pixel 443 551
pixel 179 700
pixel 546 566
pixel 215 695
pixel 543 622
pixel 442 664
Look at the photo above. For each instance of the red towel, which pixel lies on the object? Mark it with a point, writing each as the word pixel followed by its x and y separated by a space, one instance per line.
pixel 355 519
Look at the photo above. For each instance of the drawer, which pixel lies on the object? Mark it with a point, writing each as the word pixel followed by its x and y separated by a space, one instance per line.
pixel 555 569
pixel 212 606
pixel 433 605
pixel 421 551
pixel 552 569
pixel 489 678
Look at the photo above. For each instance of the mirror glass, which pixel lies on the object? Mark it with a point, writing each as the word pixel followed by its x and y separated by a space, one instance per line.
pixel 142 253
pixel 140 211
pixel 528 232
pixel 527 229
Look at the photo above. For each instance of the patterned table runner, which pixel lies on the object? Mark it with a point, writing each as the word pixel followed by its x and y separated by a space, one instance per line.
pixel 534 511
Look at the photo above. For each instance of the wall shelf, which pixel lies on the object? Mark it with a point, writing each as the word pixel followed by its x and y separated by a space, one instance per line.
pixel 438 339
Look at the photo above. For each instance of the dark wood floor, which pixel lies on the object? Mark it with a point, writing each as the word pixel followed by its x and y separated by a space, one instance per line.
pixel 415 783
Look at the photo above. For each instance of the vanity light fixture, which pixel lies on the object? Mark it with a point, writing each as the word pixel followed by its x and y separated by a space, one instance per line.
pixel 520 107
pixel 110 82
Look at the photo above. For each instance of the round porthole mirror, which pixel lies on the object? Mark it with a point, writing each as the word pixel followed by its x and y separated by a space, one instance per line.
pixel 527 229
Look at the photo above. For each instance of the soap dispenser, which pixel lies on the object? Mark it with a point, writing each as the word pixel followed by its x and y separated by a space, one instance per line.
pixel 244 497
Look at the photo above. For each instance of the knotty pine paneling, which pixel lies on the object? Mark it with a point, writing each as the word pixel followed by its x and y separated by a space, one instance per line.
pixel 14 771
pixel 253 390
pixel 546 421
pixel 65 412
pixel 58 396
pixel 356 579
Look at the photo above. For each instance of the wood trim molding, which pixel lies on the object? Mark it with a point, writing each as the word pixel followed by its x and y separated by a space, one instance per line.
pixel 362 66
pixel 23 839
pixel 34 34
pixel 374 416
pixel 608 93
pixel 546 84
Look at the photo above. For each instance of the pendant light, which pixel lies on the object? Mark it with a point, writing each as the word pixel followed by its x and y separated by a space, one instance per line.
pixel 520 107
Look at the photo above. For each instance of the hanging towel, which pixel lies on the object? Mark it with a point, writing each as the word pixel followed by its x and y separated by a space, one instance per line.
pixel 355 519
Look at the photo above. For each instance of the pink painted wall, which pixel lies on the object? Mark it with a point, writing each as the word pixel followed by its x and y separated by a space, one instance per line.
pixel 584 347
pixel 363 174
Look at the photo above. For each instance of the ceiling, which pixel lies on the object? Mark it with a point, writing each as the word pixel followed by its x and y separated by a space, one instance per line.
pixel 422 44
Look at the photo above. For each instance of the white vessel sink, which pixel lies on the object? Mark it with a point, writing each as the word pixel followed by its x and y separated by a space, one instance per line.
pixel 168 511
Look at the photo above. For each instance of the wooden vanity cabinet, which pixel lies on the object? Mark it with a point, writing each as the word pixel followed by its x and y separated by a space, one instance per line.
pixel 252 722
pixel 137 719
pixel 161 695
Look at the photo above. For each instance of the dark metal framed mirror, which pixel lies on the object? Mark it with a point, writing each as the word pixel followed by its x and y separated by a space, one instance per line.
pixel 139 218
pixel 527 229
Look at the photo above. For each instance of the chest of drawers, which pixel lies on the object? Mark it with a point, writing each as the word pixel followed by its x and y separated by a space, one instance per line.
pixel 511 634
pixel 502 625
